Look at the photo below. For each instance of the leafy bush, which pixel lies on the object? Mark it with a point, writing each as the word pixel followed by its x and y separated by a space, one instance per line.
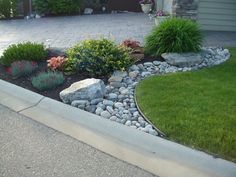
pixel 48 80
pixel 58 7
pixel 24 51
pixel 174 35
pixel 57 63
pixel 8 8
pixel 130 43
pixel 99 57
pixel 23 68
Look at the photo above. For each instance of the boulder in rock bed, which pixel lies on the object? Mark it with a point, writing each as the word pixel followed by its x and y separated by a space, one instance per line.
pixel 182 59
pixel 87 89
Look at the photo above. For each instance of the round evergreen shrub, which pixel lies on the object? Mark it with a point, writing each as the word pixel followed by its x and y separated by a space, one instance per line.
pixel 174 35
pixel 98 57
pixel 47 80
pixel 25 51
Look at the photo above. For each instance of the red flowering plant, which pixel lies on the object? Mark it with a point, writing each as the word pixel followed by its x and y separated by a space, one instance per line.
pixel 22 68
pixel 57 63
pixel 130 43
pixel 136 49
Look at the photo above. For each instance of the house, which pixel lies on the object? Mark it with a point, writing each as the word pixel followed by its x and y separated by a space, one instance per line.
pixel 217 15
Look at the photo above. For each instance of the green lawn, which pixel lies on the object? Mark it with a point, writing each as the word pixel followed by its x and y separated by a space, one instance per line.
pixel 197 109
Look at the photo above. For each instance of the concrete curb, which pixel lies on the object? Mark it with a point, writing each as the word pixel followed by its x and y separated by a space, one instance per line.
pixel 153 154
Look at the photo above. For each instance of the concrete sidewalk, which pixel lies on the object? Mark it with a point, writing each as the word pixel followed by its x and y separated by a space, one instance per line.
pixel 30 149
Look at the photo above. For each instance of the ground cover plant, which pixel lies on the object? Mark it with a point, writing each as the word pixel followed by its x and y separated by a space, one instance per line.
pixel 174 35
pixel 24 51
pixel 195 108
pixel 48 80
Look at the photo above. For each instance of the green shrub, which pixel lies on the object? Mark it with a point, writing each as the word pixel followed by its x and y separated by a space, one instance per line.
pixel 99 57
pixel 174 35
pixel 24 51
pixel 5 8
pixel 23 68
pixel 58 7
pixel 47 80
pixel 8 8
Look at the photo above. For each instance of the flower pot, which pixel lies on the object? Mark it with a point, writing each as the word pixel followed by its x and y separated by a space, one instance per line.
pixel 146 8
pixel 160 19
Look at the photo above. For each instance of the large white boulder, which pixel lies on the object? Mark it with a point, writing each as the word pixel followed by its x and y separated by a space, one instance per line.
pixel 87 89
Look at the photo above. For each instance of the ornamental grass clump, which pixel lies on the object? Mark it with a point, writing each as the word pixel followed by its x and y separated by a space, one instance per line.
pixel 48 80
pixel 174 35
pixel 98 57
pixel 24 51
pixel 22 68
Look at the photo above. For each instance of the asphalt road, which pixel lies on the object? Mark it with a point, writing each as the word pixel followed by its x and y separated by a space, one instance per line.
pixel 30 149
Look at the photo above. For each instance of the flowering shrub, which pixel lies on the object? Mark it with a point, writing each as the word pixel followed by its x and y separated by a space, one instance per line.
pixel 57 63
pixel 98 57
pixel 22 68
pixel 133 44
pixel 47 80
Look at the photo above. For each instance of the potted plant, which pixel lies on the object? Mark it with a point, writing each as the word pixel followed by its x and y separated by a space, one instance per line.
pixel 161 16
pixel 146 5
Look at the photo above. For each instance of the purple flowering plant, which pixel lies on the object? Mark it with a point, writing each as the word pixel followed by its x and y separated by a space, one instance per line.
pixel 161 13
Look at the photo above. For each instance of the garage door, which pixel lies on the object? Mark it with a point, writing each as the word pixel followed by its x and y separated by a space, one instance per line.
pixel 218 15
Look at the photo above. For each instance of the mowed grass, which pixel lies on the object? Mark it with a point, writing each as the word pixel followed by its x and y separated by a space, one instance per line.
pixel 197 109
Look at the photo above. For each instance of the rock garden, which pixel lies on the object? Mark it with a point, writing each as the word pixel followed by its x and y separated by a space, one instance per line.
pixel 100 76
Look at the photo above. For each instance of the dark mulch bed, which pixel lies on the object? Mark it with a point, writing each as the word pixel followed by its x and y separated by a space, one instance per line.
pixel 25 82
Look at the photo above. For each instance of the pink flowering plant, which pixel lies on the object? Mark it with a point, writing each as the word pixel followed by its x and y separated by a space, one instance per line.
pixel 160 13
pixel 57 63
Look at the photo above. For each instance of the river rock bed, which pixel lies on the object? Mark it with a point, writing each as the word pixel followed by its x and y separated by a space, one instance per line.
pixel 119 104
